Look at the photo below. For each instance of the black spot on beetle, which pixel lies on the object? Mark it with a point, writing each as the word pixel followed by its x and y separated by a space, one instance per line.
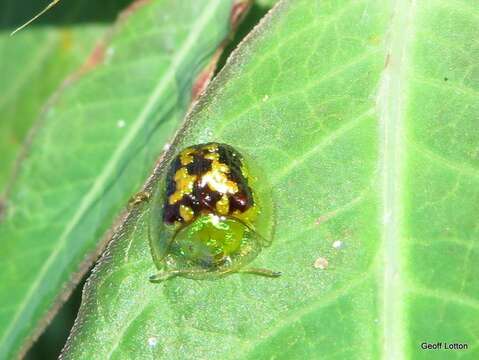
pixel 170 176
pixel 199 165
pixel 171 213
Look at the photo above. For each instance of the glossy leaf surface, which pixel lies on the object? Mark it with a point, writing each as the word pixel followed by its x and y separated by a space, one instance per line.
pixel 95 146
pixel 363 116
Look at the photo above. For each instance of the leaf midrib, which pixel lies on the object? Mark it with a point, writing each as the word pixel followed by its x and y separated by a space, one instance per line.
pixel 96 189
pixel 391 107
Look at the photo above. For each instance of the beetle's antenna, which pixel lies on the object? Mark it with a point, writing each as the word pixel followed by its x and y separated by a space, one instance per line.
pixel 48 7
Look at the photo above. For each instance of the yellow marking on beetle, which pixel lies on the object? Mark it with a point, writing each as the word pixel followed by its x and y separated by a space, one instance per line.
pixel 214 156
pixel 184 185
pixel 217 179
pixel 223 205
pixel 212 148
pixel 186 213
pixel 244 171
pixel 186 156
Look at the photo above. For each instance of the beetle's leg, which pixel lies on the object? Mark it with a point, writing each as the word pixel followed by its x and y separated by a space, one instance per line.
pixel 261 272
pixel 168 274
pixel 138 198
pixel 165 275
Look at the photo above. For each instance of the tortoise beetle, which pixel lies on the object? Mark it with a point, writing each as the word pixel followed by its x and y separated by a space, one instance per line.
pixel 209 217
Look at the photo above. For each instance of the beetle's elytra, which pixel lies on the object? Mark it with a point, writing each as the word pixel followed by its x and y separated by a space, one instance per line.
pixel 208 218
pixel 206 179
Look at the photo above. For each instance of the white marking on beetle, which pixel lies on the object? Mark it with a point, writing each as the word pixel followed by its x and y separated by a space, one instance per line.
pixel 121 123
pixel 215 220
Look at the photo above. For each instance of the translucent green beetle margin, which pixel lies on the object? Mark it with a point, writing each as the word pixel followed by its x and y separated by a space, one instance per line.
pixel 168 243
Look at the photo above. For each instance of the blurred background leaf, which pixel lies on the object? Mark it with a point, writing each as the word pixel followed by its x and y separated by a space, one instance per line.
pixel 33 65
pixel 97 139
pixel 35 62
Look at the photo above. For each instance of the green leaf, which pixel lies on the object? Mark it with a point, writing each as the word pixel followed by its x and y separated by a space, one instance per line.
pixel 35 61
pixel 33 64
pixel 363 117
pixel 94 147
